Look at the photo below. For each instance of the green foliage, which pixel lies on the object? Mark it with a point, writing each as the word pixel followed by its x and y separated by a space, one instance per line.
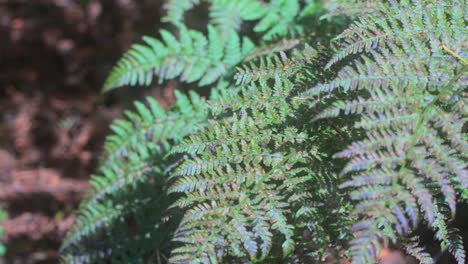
pixel 308 148
pixel 277 18
pixel 192 57
pixel 246 171
pixel 408 92
pixel 3 217
pixel 352 8
pixel 125 217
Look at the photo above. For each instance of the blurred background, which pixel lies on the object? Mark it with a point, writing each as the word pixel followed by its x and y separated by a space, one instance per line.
pixel 54 57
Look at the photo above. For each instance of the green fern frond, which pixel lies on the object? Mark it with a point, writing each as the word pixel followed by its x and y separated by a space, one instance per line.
pixel 251 175
pixel 192 57
pixel 152 123
pixel 3 217
pixel 275 18
pixel 105 232
pixel 225 15
pixel 407 26
pixel 271 67
pixel 228 15
pixel 176 10
pixel 237 201
pixel 414 250
pixel 241 174
pixel 248 171
pixel 407 159
pixel 279 19
pixel 351 8
pixel 265 97
pixel 266 84
pixel 130 183
pixel 273 48
pixel 284 18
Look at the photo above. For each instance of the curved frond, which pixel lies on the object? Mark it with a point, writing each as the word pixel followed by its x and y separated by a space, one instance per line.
pixel 191 56
pixel 401 89
pixel 248 172
pixel 131 187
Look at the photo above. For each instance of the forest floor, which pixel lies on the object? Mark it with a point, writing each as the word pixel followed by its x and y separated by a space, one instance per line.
pixel 54 57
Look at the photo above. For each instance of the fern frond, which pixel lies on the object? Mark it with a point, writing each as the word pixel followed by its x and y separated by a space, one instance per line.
pixel 176 10
pixel 273 48
pixel 414 250
pixel 241 174
pixel 192 57
pixel 106 232
pixel 408 26
pixel 351 8
pixel 280 19
pixel 131 185
pixel 273 67
pixel 409 157
pixel 225 15
pixel 244 204
pixel 152 123
pixel 251 175
pixel 3 217
pixel 258 101
pixel 228 15
pixel 249 171
pixel 266 85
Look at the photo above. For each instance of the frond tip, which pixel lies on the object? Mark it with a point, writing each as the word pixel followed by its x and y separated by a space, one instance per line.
pixel 192 57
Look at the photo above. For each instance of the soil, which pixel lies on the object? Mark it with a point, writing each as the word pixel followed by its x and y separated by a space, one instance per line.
pixel 54 57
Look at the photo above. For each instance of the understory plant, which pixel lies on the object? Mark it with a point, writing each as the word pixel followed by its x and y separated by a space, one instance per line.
pixel 319 131
pixel 3 218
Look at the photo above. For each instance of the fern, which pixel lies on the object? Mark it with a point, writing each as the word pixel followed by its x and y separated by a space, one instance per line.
pixel 409 95
pixel 251 170
pixel 240 189
pixel 270 67
pixel 308 149
pixel 351 8
pixel 3 217
pixel 130 183
pixel 193 57
pixel 283 18
pixel 276 18
pixel 228 15
pixel 176 10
